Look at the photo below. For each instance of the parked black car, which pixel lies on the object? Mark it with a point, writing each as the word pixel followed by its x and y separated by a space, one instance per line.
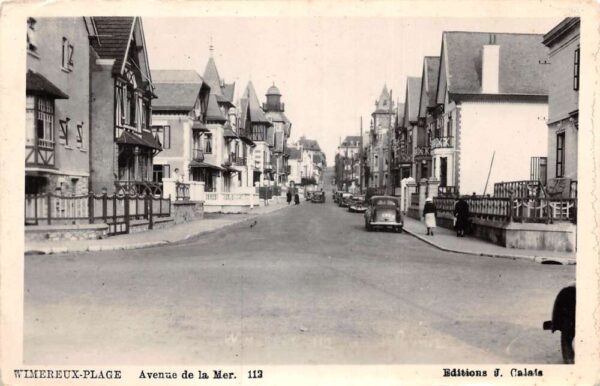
pixel 563 320
pixel 383 212
pixel 318 196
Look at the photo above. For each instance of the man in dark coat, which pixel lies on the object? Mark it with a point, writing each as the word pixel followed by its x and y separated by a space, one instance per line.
pixel 296 199
pixel 289 196
pixel 461 213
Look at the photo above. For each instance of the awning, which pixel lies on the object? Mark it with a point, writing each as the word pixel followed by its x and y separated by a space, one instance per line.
pixel 228 133
pixel 199 164
pixel 38 84
pixel 247 141
pixel 146 140
pixel 229 169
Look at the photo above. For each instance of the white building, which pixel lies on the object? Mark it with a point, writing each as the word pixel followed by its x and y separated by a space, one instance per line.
pixel 492 102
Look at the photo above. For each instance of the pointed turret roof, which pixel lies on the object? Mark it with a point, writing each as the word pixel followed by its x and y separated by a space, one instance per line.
pixel 211 76
pixel 383 103
pixel 213 112
pixel 256 113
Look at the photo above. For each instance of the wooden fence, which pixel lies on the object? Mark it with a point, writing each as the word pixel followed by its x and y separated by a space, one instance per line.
pixel 541 210
pixel 48 208
pixel 525 188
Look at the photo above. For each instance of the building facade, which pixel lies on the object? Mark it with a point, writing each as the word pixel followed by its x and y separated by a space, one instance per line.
pixel 379 153
pixel 179 123
pixel 563 103
pixel 279 133
pixel 122 146
pixel 348 164
pixel 490 123
pixel 58 116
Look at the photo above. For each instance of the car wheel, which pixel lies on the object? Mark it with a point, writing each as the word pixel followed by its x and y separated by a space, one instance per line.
pixel 368 226
pixel 399 229
pixel 566 346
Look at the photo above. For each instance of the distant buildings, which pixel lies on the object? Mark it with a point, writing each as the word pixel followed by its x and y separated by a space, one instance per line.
pixel 310 163
pixel 348 164
pixel 378 152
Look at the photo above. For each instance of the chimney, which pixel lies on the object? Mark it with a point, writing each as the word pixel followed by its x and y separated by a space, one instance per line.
pixel 490 67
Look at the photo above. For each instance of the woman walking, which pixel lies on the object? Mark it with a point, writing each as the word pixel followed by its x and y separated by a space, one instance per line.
pixel 296 199
pixel 429 213
pixel 289 196
pixel 461 213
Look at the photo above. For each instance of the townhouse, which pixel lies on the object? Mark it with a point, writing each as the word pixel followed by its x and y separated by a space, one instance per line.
pixel 58 114
pixel 414 134
pixel 257 126
pixel 426 123
pixel 563 107
pixel 279 133
pixel 348 164
pixel 179 123
pixel 491 107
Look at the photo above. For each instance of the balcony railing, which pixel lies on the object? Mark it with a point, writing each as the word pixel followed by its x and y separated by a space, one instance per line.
pixel 138 187
pixel 422 151
pixel 40 154
pixel 441 142
pixel 237 160
pixel 540 210
pixel 198 154
pixel 517 189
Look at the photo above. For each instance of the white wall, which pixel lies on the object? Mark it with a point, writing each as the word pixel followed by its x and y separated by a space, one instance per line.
pixel 516 131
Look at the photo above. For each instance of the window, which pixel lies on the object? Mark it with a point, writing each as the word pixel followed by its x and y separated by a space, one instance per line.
pixel 163 134
pixel 560 155
pixel 80 135
pixel 160 171
pixel 208 144
pixel 576 70
pixel 31 41
pixel 449 133
pixel 63 135
pixel 44 121
pixel 67 55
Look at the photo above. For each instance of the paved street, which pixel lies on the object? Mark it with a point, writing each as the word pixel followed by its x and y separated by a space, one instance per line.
pixel 304 285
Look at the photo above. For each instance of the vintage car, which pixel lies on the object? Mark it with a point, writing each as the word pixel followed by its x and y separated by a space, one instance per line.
pixel 563 320
pixel 318 196
pixel 357 204
pixel 383 212
pixel 344 199
pixel 308 195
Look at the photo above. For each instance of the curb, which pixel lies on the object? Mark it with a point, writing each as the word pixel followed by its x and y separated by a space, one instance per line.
pixel 536 259
pixel 100 248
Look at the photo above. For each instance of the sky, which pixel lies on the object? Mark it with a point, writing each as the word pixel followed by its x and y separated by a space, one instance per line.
pixel 330 70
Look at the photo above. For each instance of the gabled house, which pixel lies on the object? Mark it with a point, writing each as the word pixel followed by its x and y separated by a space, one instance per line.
pixel 257 125
pixel 122 146
pixel 294 156
pixel 425 126
pixel 563 106
pixel 218 168
pixel 492 100
pixel 347 163
pixel 278 134
pixel 57 138
pixel 414 141
pixel 179 123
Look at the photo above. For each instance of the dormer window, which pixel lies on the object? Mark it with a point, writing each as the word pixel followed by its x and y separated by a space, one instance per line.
pixel 31 40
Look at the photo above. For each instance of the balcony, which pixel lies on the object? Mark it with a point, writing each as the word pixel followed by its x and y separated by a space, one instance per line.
pixel 422 151
pixel 198 155
pixel 40 154
pixel 441 142
pixel 236 160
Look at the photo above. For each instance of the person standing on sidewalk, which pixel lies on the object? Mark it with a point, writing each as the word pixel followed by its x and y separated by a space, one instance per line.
pixel 429 213
pixel 461 215
pixel 289 196
pixel 297 199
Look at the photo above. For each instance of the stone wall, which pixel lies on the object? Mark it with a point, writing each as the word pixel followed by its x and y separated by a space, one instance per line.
pixel 66 232
pixel 185 211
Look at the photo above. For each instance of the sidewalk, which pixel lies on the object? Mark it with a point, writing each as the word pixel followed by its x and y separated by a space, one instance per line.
pixel 151 238
pixel 446 240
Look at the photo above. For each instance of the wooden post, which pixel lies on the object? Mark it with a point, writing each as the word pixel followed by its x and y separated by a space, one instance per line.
pixel 150 219
pixel 126 214
pixel 49 203
pixel 510 207
pixel 115 211
pixel 105 207
pixel 91 207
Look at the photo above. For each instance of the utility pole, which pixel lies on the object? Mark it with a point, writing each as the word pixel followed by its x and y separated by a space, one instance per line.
pixel 387 155
pixel 360 159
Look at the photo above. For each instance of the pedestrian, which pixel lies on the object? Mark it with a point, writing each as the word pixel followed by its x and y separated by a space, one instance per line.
pixel 461 216
pixel 297 199
pixel 429 213
pixel 289 197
